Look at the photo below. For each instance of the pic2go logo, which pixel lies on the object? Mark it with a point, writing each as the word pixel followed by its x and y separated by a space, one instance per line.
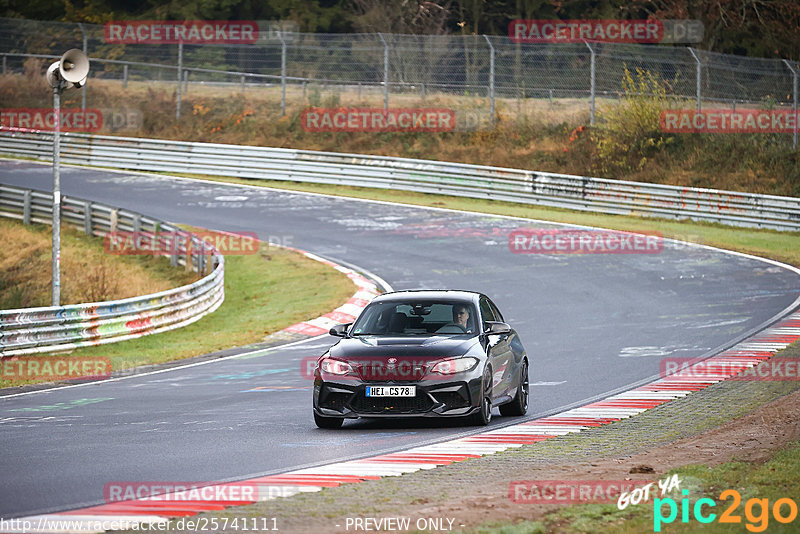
pixel 756 511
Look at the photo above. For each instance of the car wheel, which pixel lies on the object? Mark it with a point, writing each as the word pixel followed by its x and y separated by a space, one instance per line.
pixel 484 416
pixel 328 422
pixel 519 405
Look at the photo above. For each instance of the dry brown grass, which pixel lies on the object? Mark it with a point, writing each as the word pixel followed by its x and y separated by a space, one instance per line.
pixel 88 273
pixel 530 133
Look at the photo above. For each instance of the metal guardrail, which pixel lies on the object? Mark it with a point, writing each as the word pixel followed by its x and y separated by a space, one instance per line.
pixel 48 329
pixel 476 181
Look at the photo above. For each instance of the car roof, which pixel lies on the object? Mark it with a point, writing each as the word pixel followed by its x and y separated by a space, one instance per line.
pixel 445 294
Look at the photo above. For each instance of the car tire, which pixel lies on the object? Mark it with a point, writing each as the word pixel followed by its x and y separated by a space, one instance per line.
pixel 328 422
pixel 484 416
pixel 519 405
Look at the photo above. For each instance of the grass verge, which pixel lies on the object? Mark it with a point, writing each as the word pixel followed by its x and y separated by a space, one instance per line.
pixel 264 293
pixel 778 478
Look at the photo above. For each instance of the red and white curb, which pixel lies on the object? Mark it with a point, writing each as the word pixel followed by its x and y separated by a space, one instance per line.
pixel 347 312
pixel 160 509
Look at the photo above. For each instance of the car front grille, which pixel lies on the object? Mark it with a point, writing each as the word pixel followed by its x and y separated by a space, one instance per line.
pixel 419 404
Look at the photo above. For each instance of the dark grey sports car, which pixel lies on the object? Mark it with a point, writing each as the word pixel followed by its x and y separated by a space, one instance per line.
pixel 423 353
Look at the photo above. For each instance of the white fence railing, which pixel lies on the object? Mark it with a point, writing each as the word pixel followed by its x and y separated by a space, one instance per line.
pixel 476 181
pixel 47 329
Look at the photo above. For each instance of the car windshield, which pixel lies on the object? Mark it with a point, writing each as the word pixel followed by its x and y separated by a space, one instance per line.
pixel 416 318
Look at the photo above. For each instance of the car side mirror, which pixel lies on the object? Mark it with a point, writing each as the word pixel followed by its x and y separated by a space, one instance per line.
pixel 340 330
pixel 496 327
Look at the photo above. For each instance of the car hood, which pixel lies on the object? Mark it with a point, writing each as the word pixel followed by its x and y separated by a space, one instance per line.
pixel 426 347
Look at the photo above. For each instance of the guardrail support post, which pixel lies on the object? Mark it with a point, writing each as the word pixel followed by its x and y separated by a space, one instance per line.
pixel 385 73
pixel 125 76
pixel 87 218
pixel 283 74
pixel 180 72
pixel 173 257
pixel 491 75
pixel 26 207
pixel 189 253
pixel 592 80
pixel 794 106
pixel 698 77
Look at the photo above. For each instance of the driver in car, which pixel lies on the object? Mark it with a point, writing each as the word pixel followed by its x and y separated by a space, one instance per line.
pixel 460 319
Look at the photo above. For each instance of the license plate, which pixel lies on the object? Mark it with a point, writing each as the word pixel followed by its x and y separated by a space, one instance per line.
pixel 391 391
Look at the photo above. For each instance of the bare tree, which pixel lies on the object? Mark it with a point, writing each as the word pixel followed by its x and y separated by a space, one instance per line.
pixel 428 17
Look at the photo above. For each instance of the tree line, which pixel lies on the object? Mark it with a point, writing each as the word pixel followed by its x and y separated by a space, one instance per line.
pixel 757 28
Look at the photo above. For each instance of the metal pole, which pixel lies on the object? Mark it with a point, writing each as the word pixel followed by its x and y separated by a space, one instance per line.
pixel 85 51
pixel 592 88
pixel 56 256
pixel 186 81
pixel 491 74
pixel 794 106
pixel 180 72
pixel 4 64
pixel 243 83
pixel 385 73
pixel 125 76
pixel 283 74
pixel 698 76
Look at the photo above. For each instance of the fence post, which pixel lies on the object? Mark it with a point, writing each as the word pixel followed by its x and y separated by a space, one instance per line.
pixel 592 87
pixel 283 74
pixel 794 106
pixel 5 66
pixel 698 76
pixel 491 74
pixel 125 76
pixel 26 207
pixel 186 81
pixel 385 73
pixel 242 83
pixel 180 73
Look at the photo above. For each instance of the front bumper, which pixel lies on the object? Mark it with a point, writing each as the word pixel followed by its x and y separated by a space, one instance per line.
pixel 453 398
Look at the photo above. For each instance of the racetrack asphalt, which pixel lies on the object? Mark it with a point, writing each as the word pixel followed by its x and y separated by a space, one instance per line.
pixel 591 324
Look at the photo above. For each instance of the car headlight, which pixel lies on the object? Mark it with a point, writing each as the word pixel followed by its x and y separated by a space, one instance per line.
pixel 335 367
pixel 454 365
